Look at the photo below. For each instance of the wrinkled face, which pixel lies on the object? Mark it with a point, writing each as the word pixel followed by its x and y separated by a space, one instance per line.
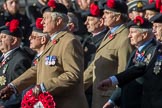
pixel 157 30
pixel 92 23
pixel 109 18
pixel 49 25
pixel 5 43
pixel 35 40
pixel 12 6
pixel 135 36
pixel 149 14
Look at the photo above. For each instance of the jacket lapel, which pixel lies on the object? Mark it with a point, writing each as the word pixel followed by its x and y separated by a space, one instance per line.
pixel 50 43
pixel 106 40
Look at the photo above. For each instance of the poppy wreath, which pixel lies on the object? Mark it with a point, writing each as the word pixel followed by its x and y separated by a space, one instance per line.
pixel 45 98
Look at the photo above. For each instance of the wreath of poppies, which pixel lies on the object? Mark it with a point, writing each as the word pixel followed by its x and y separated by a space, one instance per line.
pixel 45 98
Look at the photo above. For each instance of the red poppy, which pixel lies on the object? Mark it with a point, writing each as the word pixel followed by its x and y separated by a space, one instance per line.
pixel 139 20
pixel 160 9
pixel 158 4
pixel 54 41
pixel 7 24
pixel 13 25
pixel 94 9
pixel 151 1
pixel 38 23
pixel 111 3
pixel 45 98
pixel 110 36
pixel 51 3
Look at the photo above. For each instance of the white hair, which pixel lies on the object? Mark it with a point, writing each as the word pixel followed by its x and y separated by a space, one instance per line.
pixel 64 17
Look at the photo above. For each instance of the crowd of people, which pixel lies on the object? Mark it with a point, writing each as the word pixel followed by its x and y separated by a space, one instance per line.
pixel 84 53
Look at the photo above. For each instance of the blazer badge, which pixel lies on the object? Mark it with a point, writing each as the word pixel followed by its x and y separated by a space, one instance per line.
pixel 50 60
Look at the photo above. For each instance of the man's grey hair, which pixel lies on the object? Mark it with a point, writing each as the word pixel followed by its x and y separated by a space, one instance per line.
pixel 55 15
pixel 73 19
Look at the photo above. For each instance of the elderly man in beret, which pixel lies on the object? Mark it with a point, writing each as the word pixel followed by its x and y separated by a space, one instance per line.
pixel 152 8
pixel 14 61
pixel 95 26
pixel 60 67
pixel 112 54
pixel 38 39
pixel 157 26
pixel 135 92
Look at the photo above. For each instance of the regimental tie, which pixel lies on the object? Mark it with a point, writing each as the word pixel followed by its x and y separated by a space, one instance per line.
pixel 35 61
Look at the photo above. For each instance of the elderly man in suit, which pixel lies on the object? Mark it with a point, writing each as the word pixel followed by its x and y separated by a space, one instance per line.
pixel 14 61
pixel 112 54
pixel 142 37
pixel 60 67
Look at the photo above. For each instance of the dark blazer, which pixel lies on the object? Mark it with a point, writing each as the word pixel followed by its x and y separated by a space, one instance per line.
pixel 130 95
pixel 152 89
pixel 16 63
pixel 90 45
pixel 34 11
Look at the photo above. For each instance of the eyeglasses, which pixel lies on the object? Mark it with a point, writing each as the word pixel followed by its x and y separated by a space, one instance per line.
pixel 34 37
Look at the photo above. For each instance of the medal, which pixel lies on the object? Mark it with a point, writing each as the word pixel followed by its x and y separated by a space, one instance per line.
pixel 2 80
pixel 50 60
pixel 5 68
pixel 158 63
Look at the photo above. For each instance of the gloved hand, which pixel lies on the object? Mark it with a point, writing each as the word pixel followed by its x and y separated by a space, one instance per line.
pixel 36 90
pixel 6 92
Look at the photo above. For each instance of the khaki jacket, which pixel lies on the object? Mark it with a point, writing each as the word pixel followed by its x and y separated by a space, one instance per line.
pixel 111 58
pixel 64 80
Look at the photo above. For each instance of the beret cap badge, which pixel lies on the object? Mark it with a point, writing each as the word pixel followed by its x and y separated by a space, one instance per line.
pixel 38 23
pixel 139 20
pixel 51 4
pixel 111 3
pixel 139 4
pixel 94 9
pixel 13 25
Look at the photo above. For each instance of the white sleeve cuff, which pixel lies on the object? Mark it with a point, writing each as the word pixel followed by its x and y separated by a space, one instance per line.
pixel 42 87
pixel 14 88
pixel 111 102
pixel 114 80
